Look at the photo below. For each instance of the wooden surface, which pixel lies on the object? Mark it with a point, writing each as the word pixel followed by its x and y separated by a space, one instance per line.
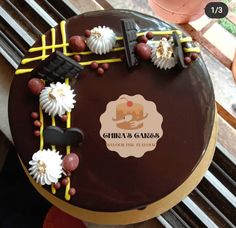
pixel 6 76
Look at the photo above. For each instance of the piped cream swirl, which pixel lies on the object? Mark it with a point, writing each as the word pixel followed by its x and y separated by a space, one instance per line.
pixel 46 167
pixel 163 54
pixel 101 40
pixel 57 99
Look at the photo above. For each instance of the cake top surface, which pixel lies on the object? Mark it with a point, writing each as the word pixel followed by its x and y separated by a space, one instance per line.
pixel 135 134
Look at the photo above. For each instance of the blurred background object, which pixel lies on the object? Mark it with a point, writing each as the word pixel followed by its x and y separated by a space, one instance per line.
pixel 178 11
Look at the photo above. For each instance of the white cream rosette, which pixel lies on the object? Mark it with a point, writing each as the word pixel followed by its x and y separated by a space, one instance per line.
pixel 57 99
pixel 163 54
pixel 46 167
pixel 101 40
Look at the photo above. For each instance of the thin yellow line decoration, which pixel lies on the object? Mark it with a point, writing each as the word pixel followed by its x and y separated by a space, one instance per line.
pixel 157 33
pixel 53 34
pixel 67 195
pixel 43 40
pixel 41 128
pixel 35 49
pixel 27 60
pixel 53 189
pixel 116 60
pixel 186 39
pixel 53 124
pixel 23 71
pixel 68 125
pixel 68 122
pixel 63 36
pixel 64 45
pixel 194 49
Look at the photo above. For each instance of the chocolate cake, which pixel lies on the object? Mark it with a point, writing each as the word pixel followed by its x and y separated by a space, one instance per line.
pixel 127 126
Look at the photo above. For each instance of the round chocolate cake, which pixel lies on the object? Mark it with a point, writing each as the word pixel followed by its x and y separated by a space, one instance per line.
pixel 111 111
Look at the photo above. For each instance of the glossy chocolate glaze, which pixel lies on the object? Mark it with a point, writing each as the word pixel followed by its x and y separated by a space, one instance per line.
pixel 104 180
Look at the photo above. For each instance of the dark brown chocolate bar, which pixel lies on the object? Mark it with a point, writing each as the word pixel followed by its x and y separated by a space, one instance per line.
pixel 57 67
pixel 129 32
pixel 54 135
pixel 179 52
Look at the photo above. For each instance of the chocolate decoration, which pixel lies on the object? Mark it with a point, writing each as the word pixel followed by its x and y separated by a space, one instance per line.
pixel 178 51
pixel 57 67
pixel 77 43
pixel 129 32
pixel 143 51
pixel 69 137
pixel 70 162
pixel 36 85
pixel 105 181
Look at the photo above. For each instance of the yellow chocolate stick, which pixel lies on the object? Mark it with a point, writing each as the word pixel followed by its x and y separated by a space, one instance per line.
pixel 27 60
pixel 68 125
pixel 53 189
pixel 68 121
pixel 194 49
pixel 115 60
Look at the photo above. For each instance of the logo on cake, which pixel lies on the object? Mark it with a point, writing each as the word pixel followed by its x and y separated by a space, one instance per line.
pixel 129 115
pixel 131 126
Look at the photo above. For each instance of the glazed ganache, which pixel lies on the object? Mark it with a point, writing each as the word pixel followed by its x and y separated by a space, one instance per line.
pixel 134 123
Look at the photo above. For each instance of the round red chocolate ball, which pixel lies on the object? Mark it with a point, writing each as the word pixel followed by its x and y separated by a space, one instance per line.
pixel 64 182
pixel 64 118
pixel 70 162
pixel 34 115
pixel 72 191
pixel 105 66
pixel 143 51
pixel 100 71
pixel 77 44
pixel 77 58
pixel 194 56
pixel 36 85
pixel 187 60
pixel 37 123
pixel 57 185
pixel 37 133
pixel 94 65
pixel 87 33
pixel 149 35
pixel 142 39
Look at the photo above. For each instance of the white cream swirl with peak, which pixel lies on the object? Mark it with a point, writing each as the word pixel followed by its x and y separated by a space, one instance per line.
pixel 57 99
pixel 163 54
pixel 101 40
pixel 46 167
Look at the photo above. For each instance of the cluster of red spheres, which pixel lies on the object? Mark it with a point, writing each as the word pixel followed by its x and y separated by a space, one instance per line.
pixel 70 163
pixel 37 123
pixel 64 182
pixel 99 69
pixel 190 58
pixel 36 85
pixel 142 49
